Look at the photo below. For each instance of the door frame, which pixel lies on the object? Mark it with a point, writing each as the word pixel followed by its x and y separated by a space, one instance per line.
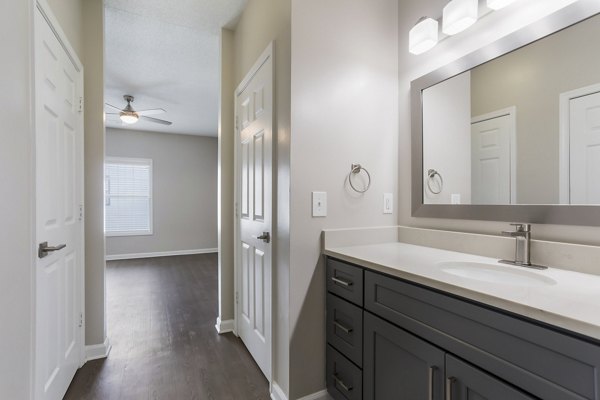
pixel 46 11
pixel 262 59
pixel 512 113
pixel 564 139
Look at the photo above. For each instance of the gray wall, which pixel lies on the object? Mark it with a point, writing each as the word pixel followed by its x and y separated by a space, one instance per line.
pixel 344 110
pixel 184 172
pixel 532 79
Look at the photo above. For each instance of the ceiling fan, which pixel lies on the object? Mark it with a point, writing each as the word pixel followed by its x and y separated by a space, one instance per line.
pixel 130 116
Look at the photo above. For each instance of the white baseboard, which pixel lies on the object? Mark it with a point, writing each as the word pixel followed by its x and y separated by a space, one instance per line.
pixel 114 257
pixel 277 392
pixel 322 395
pixel 224 326
pixel 97 351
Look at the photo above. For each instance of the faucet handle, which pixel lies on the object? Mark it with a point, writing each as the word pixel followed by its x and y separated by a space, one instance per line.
pixel 520 227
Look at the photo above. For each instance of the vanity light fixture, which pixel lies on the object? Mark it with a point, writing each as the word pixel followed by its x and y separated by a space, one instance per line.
pixel 423 36
pixel 458 15
pixel 498 4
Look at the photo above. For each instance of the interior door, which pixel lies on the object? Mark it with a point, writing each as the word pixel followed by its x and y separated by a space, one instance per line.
pixel 584 149
pixel 491 161
pixel 59 183
pixel 254 113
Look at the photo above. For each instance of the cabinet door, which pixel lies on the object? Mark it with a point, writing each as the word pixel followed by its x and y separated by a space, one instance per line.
pixel 465 382
pixel 398 365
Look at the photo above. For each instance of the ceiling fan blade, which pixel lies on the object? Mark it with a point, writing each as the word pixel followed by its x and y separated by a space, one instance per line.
pixel 156 120
pixel 111 106
pixel 112 113
pixel 154 111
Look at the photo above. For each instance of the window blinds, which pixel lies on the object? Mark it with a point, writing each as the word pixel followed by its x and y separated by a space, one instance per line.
pixel 128 197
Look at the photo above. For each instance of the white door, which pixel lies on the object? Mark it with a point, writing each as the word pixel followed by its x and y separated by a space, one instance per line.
pixel 254 120
pixel 584 149
pixel 491 160
pixel 59 183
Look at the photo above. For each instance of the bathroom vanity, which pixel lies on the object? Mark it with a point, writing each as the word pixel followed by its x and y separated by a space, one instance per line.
pixel 413 322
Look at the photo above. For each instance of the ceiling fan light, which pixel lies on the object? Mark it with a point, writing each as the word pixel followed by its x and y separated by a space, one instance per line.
pixel 458 15
pixel 423 36
pixel 129 118
pixel 498 4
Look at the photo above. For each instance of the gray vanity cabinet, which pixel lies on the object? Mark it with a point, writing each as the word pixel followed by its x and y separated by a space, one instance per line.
pixel 398 365
pixel 465 382
pixel 389 338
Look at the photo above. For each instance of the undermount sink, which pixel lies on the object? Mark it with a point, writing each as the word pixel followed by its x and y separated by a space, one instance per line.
pixel 495 273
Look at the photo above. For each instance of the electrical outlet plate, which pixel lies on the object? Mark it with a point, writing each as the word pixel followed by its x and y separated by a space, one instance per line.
pixel 319 204
pixel 388 203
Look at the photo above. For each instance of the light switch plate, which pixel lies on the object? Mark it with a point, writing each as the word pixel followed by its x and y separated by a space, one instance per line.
pixel 319 204
pixel 388 203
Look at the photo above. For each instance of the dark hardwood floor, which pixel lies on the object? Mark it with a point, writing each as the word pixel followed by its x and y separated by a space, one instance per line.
pixel 161 315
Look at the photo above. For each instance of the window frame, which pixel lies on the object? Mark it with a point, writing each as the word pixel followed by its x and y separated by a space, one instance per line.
pixel 132 161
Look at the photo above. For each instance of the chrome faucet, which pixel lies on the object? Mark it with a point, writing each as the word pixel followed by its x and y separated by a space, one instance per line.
pixel 522 235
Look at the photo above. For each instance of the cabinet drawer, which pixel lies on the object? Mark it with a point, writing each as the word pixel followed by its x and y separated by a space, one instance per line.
pixel 345 328
pixel 544 362
pixel 345 280
pixel 344 379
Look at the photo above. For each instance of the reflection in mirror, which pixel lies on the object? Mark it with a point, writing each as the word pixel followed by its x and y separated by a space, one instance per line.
pixel 523 128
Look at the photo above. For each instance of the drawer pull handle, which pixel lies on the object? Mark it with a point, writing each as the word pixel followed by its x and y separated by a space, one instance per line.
pixel 342 327
pixel 341 383
pixel 341 282
pixel 431 372
pixel 449 383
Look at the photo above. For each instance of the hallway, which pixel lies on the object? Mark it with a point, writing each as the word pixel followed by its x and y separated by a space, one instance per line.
pixel 161 315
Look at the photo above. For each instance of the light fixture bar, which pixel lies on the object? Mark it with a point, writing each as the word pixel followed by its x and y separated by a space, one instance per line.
pixel 498 4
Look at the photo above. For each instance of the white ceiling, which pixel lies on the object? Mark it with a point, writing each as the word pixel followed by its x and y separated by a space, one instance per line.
pixel 166 54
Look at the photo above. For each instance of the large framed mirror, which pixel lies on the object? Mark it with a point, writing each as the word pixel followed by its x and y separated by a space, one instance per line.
pixel 512 131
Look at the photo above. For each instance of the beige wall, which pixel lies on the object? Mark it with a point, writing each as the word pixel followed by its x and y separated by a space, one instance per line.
pixel 344 110
pixel 532 79
pixel 93 64
pixel 411 67
pixel 262 22
pixel 16 202
pixel 184 185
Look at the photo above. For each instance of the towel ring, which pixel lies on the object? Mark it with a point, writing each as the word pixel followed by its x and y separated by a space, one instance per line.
pixel 356 169
pixel 430 176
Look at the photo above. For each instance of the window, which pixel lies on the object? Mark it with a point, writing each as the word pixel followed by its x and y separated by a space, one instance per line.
pixel 127 196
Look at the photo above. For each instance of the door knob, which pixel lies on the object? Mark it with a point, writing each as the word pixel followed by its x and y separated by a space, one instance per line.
pixel 265 237
pixel 44 249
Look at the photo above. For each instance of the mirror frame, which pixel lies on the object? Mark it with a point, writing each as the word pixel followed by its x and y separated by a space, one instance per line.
pixel 545 214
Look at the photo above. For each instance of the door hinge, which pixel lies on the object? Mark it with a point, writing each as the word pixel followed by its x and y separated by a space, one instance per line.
pixel 81 212
pixel 237 297
pixel 236 124
pixel 80 320
pixel 81 104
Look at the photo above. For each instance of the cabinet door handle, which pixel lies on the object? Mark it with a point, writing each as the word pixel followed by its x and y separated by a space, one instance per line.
pixel 342 327
pixel 341 383
pixel 449 383
pixel 341 282
pixel 430 381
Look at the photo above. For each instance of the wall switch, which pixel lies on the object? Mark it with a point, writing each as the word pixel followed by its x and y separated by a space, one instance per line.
pixel 319 204
pixel 388 203
pixel 455 198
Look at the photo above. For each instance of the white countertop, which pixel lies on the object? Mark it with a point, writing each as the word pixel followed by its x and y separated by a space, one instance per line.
pixel 571 300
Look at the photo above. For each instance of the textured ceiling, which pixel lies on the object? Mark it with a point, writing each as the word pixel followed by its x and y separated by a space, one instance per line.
pixel 166 54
